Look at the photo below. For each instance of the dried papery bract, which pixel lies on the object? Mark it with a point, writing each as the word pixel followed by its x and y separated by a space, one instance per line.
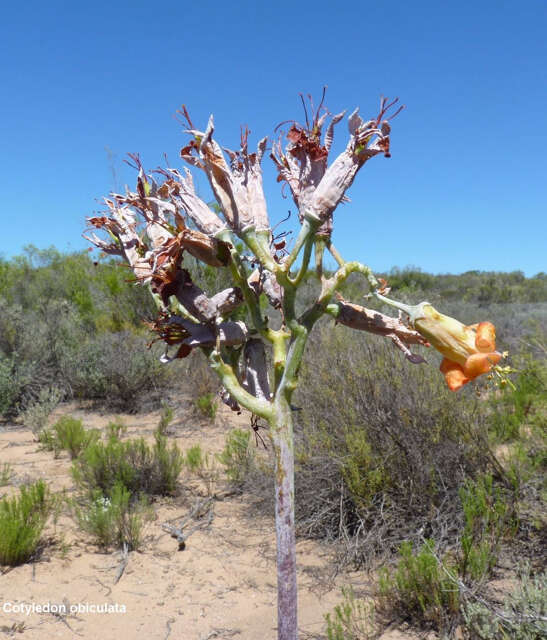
pixel 257 359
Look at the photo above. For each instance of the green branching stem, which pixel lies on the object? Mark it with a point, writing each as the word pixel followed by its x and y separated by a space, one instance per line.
pixel 307 232
pixel 229 379
pixel 239 274
pixel 334 253
pixel 176 307
pixel 319 251
pixel 279 344
pixel 308 246
pixel 331 285
pixel 258 244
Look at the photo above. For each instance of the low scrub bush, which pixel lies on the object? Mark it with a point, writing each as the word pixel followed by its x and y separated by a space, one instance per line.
pixel 207 405
pixel 68 434
pixel 522 617
pixel 522 406
pixel 141 468
pixel 114 368
pixel 237 456
pixel 166 417
pixel 488 518
pixel 36 415
pixel 419 589
pixel 114 520
pixel 352 619
pixel 380 460
pixel 22 520
pixel 6 471
pixel 203 465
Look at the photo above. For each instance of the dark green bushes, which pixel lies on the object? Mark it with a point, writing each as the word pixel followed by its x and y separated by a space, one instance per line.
pixel 117 478
pixel 237 456
pixel 116 369
pixel 139 467
pixel 67 434
pixel 116 520
pixel 420 588
pixel 22 520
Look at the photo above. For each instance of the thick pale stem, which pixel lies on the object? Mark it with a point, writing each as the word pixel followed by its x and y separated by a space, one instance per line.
pixel 281 430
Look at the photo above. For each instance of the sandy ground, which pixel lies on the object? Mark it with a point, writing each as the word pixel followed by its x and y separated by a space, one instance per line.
pixel 222 585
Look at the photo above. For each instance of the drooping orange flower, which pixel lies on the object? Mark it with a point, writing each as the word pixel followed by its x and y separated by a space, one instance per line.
pixel 469 351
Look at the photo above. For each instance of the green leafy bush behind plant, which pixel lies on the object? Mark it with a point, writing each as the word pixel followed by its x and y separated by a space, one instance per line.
pixel 207 405
pixel 237 457
pixel 352 619
pixel 22 520
pixel 376 457
pixel 141 468
pixel 419 588
pixel 488 517
pixel 114 520
pixel 523 615
pixel 68 434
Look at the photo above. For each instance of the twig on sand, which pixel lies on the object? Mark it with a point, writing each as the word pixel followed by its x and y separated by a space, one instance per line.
pixel 62 617
pixel 123 564
pixel 199 510
pixel 221 633
pixel 168 624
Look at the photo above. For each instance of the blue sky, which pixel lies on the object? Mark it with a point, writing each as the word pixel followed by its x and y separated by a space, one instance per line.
pixel 85 83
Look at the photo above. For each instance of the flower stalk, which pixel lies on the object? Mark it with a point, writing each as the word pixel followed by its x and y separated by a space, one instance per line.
pixel 158 226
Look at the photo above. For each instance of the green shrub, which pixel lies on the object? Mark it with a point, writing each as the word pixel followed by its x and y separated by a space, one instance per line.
pixel 14 379
pixel 5 474
pixel 166 417
pixel 115 429
pixel 139 467
pixel 353 619
pixel 515 408
pixel 203 465
pixel 523 616
pixel 36 415
pixel 67 434
pixel 22 520
pixel 116 519
pixel 420 589
pixel 194 458
pixel 72 436
pixel 363 473
pixel 237 456
pixel 378 459
pixel 207 405
pixel 487 519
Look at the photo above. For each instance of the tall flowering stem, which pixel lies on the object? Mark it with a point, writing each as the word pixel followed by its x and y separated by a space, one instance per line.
pixel 156 227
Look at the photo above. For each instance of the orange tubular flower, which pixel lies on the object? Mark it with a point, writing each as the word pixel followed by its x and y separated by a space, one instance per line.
pixel 469 351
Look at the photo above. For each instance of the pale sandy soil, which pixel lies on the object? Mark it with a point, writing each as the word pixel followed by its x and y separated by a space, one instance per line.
pixel 222 585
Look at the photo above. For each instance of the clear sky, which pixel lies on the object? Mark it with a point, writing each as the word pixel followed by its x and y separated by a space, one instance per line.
pixel 83 83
